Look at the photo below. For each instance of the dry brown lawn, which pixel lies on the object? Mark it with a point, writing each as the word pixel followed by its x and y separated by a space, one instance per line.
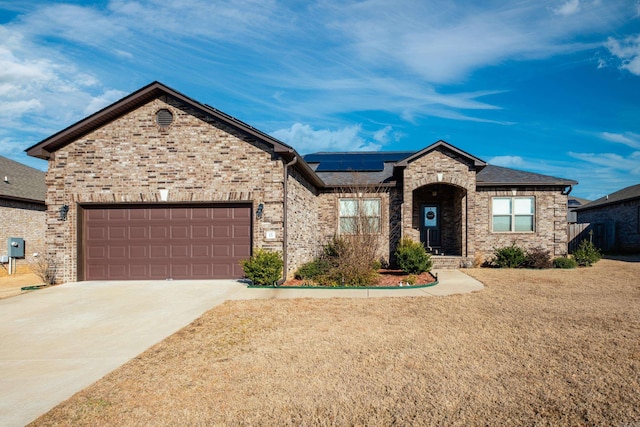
pixel 10 284
pixel 534 348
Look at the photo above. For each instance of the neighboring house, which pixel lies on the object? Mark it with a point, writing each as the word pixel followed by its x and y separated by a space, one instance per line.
pixel 22 207
pixel 161 186
pixel 614 220
pixel 574 203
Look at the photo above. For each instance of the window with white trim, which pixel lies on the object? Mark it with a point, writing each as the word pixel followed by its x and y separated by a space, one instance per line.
pixel 359 216
pixel 513 214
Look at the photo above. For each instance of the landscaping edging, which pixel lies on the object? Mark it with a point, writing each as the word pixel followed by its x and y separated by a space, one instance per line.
pixel 426 285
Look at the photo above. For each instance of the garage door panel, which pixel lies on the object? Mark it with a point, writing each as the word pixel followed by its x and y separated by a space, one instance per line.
pixel 117 271
pixel 159 214
pixel 98 232
pixel 138 214
pixel 138 271
pixel 117 233
pixel 118 252
pixel 201 214
pixel 180 231
pixel 159 271
pixel 97 252
pixel 200 251
pixel 222 231
pixel 241 231
pixel 180 252
pixel 201 232
pixel 241 251
pixel 159 232
pixel 117 215
pixel 159 252
pixel 138 251
pixel 162 242
pixel 138 232
pixel 180 270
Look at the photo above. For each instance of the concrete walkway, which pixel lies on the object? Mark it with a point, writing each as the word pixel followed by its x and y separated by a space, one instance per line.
pixel 55 342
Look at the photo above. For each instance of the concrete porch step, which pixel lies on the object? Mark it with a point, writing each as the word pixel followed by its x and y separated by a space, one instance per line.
pixel 448 261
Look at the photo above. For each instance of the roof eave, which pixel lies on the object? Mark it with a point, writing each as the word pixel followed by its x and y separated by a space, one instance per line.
pixel 526 184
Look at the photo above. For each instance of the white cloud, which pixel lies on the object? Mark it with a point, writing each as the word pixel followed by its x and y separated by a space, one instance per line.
pixel 628 138
pixel 308 140
pixel 570 7
pixel 627 50
pixel 101 101
pixel 612 161
pixel 507 161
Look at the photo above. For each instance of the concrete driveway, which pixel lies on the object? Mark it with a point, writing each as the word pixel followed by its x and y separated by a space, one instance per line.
pixel 55 342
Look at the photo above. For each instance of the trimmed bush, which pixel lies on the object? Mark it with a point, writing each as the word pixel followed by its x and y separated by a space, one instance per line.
pixel 312 270
pixel 509 257
pixel 587 254
pixel 538 257
pixel 564 262
pixel 264 268
pixel 412 257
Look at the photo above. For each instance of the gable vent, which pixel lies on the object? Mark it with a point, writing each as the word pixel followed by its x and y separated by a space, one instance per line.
pixel 164 118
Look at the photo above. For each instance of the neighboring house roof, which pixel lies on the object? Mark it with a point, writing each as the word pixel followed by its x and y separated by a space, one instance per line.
pixel 576 202
pixel 497 175
pixel 46 147
pixel 21 182
pixel 624 195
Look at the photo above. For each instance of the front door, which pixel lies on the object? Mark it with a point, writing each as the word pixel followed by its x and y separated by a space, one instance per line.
pixel 430 232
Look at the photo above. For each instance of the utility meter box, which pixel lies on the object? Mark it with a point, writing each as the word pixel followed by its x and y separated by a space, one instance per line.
pixel 16 247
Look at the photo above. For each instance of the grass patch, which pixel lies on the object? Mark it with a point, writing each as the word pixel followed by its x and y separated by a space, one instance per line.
pixel 551 347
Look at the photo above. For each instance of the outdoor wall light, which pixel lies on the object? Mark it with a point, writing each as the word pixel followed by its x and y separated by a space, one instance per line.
pixel 259 211
pixel 64 210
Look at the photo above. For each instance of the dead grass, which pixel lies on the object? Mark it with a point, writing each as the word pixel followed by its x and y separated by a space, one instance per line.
pixel 550 347
pixel 10 284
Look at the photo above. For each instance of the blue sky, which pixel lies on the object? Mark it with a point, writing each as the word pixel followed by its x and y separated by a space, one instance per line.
pixel 546 86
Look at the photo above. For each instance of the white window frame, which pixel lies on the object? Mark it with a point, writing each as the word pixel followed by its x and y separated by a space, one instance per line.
pixel 509 209
pixel 346 213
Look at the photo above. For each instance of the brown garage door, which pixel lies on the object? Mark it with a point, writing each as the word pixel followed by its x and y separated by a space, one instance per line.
pixel 165 242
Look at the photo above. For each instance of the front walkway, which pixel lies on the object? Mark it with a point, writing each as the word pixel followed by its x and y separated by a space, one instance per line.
pixel 56 341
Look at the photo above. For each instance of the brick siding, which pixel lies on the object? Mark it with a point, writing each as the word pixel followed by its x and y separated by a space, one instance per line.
pixel 26 220
pixel 624 216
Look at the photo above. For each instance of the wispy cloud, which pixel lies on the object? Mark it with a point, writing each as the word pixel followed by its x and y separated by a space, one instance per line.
pixel 628 164
pixel 628 138
pixel 308 140
pixel 570 7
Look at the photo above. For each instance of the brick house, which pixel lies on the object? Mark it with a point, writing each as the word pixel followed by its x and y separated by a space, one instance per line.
pixel 614 220
pixel 22 207
pixel 158 185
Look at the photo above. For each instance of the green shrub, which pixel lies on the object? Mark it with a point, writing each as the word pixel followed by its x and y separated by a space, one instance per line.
pixel 587 254
pixel 509 257
pixel 564 262
pixel 538 257
pixel 264 268
pixel 412 257
pixel 312 270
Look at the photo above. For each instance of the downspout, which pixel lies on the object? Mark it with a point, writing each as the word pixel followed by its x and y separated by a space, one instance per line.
pixel 285 237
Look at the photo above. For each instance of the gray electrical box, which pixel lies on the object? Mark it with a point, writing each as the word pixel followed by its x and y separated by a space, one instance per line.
pixel 16 247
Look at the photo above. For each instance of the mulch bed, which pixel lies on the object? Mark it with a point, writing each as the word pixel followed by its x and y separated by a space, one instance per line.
pixel 386 278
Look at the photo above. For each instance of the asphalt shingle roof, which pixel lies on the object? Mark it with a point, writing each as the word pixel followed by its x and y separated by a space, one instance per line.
pixel 627 193
pixel 498 175
pixel 22 182
pixel 349 168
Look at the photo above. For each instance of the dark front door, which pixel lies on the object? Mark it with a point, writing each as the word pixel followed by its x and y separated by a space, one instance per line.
pixel 430 233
